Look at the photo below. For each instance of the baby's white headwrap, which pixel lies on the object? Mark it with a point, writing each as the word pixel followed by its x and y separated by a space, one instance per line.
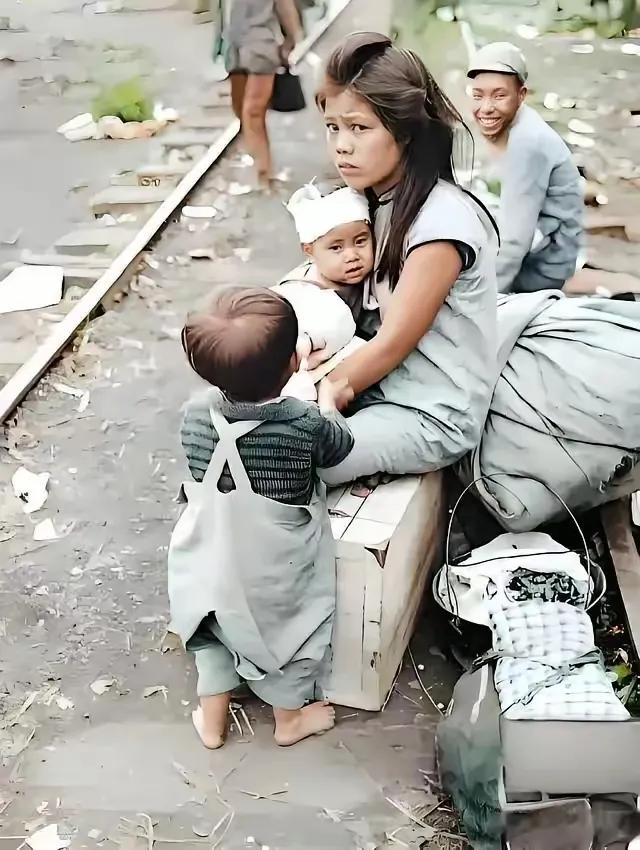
pixel 316 214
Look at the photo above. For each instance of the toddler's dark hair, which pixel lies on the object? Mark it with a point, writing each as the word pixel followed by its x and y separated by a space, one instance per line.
pixel 244 342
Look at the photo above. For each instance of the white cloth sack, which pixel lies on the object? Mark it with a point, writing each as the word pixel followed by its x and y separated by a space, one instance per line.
pixel 502 572
pixel 565 409
pixel 321 313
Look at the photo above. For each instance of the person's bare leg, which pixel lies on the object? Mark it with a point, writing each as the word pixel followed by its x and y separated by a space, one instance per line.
pixel 295 726
pixel 238 86
pixel 211 719
pixel 257 96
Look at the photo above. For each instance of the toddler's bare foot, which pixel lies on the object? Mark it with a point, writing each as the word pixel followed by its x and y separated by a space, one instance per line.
pixel 295 726
pixel 210 720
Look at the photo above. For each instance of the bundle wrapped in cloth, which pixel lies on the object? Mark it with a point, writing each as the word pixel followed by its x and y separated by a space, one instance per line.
pixel 565 413
pixel 549 667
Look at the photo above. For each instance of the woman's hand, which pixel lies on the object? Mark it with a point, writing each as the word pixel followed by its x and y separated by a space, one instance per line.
pixel 334 395
pixel 286 49
pixel 429 273
pixel 291 25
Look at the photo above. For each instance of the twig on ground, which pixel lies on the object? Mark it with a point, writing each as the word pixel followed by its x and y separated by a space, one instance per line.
pixel 409 814
pixel 408 699
pixel 246 720
pixel 421 683
pixel 149 834
pixel 236 722
pixel 272 796
pixel 228 816
pixel 390 694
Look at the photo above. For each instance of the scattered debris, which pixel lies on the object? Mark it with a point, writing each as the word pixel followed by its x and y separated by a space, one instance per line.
pixel 170 643
pixel 430 832
pixel 30 488
pixel 236 709
pixel 243 254
pixel 578 126
pixel 579 141
pixel 202 829
pixel 527 32
pixel 83 395
pixel 84 401
pixel 165 114
pixel 155 689
pixel 112 127
pixel 184 773
pixel 582 48
pixel 238 189
pixel 272 796
pixel 101 686
pixel 64 704
pixel 47 838
pixel 79 129
pixel 12 239
pixel 30 288
pixel 45 531
pixel 199 212
pixel 244 161
pixel 202 254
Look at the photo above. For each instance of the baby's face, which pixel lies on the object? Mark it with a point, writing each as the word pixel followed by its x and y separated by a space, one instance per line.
pixel 345 254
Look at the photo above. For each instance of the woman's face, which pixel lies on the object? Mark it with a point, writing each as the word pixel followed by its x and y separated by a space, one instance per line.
pixel 363 150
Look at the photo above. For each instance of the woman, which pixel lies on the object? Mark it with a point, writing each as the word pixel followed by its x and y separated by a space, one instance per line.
pixel 255 50
pixel 424 380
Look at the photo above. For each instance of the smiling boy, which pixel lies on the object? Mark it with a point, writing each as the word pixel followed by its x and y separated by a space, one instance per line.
pixel 541 200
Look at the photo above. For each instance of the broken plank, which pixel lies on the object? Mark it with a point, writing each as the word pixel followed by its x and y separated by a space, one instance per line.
pixel 91 240
pixel 123 197
pixel 189 138
pixel 72 261
pixel 616 519
pixel 205 120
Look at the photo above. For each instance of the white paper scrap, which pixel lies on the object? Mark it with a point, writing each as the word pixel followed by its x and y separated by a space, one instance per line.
pixel 30 288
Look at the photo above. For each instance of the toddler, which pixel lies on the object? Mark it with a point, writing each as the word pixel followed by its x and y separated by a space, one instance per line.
pixel 325 292
pixel 251 560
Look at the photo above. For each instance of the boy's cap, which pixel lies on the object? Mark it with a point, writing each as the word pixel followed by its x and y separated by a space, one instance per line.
pixel 315 214
pixel 500 57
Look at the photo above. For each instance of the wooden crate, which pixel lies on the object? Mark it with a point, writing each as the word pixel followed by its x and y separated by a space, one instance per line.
pixel 387 545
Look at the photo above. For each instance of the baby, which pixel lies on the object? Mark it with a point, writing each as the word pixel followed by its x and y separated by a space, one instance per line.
pixel 251 560
pixel 336 236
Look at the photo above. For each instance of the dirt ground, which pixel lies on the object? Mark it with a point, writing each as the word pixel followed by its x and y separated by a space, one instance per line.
pixel 90 607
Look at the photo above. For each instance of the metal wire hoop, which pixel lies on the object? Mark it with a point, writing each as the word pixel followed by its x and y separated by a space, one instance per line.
pixel 589 603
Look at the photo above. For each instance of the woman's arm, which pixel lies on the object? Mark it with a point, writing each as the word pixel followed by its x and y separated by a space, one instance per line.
pixel 427 277
pixel 289 18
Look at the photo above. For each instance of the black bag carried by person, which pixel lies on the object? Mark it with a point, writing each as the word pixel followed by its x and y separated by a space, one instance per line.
pixel 287 92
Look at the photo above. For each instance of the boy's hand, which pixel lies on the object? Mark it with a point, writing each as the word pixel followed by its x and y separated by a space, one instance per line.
pixel 316 358
pixel 334 395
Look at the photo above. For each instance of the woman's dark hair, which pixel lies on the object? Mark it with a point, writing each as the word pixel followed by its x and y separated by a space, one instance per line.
pixel 416 112
pixel 244 342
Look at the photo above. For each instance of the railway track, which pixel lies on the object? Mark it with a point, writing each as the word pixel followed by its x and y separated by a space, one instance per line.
pixel 122 268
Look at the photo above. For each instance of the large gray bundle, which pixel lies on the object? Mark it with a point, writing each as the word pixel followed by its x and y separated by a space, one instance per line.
pixel 565 411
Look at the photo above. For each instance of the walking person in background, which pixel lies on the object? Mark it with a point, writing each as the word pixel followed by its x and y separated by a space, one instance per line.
pixel 541 199
pixel 259 37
